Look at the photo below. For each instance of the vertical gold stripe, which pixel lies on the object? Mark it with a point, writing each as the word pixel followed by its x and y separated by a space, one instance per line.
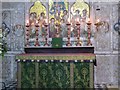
pixel 91 75
pixel 36 73
pixel 72 75
pixel 19 75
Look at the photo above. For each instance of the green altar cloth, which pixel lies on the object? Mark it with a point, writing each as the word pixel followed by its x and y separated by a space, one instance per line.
pixel 57 42
pixel 33 74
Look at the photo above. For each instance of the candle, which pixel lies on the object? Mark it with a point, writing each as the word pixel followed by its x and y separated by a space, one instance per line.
pixel 27 22
pixel 77 20
pixel 81 20
pixel 68 20
pixel 97 21
pixel 45 21
pixel 88 20
pixel 36 21
pixel 32 24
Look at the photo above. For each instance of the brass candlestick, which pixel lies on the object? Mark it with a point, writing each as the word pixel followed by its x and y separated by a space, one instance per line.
pixel 101 23
pixel 37 34
pixel 89 33
pixel 78 34
pixel 27 35
pixel 68 34
pixel 97 24
pixel 46 38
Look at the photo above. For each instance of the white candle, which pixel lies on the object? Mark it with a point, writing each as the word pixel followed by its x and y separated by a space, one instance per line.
pixel 97 21
pixel 68 20
pixel 77 20
pixel 45 21
pixel 88 20
pixel 36 21
pixel 27 22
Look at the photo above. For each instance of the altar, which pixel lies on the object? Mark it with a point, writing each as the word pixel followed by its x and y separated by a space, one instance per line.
pixel 56 70
pixel 59 51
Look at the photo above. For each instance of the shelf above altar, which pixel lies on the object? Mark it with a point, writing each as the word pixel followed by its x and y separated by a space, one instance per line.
pixel 78 49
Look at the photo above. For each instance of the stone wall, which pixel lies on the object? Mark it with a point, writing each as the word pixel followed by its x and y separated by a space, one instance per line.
pixel 106 41
pixel 106 45
pixel 13 15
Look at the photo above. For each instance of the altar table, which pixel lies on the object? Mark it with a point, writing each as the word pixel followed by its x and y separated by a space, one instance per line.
pixel 56 70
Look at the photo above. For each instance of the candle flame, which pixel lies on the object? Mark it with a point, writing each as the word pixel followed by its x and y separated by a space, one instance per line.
pixel 98 20
pixel 77 19
pixel 27 21
pixel 36 21
pixel 45 20
pixel 32 24
pixel 88 19
pixel 81 19
pixel 68 20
